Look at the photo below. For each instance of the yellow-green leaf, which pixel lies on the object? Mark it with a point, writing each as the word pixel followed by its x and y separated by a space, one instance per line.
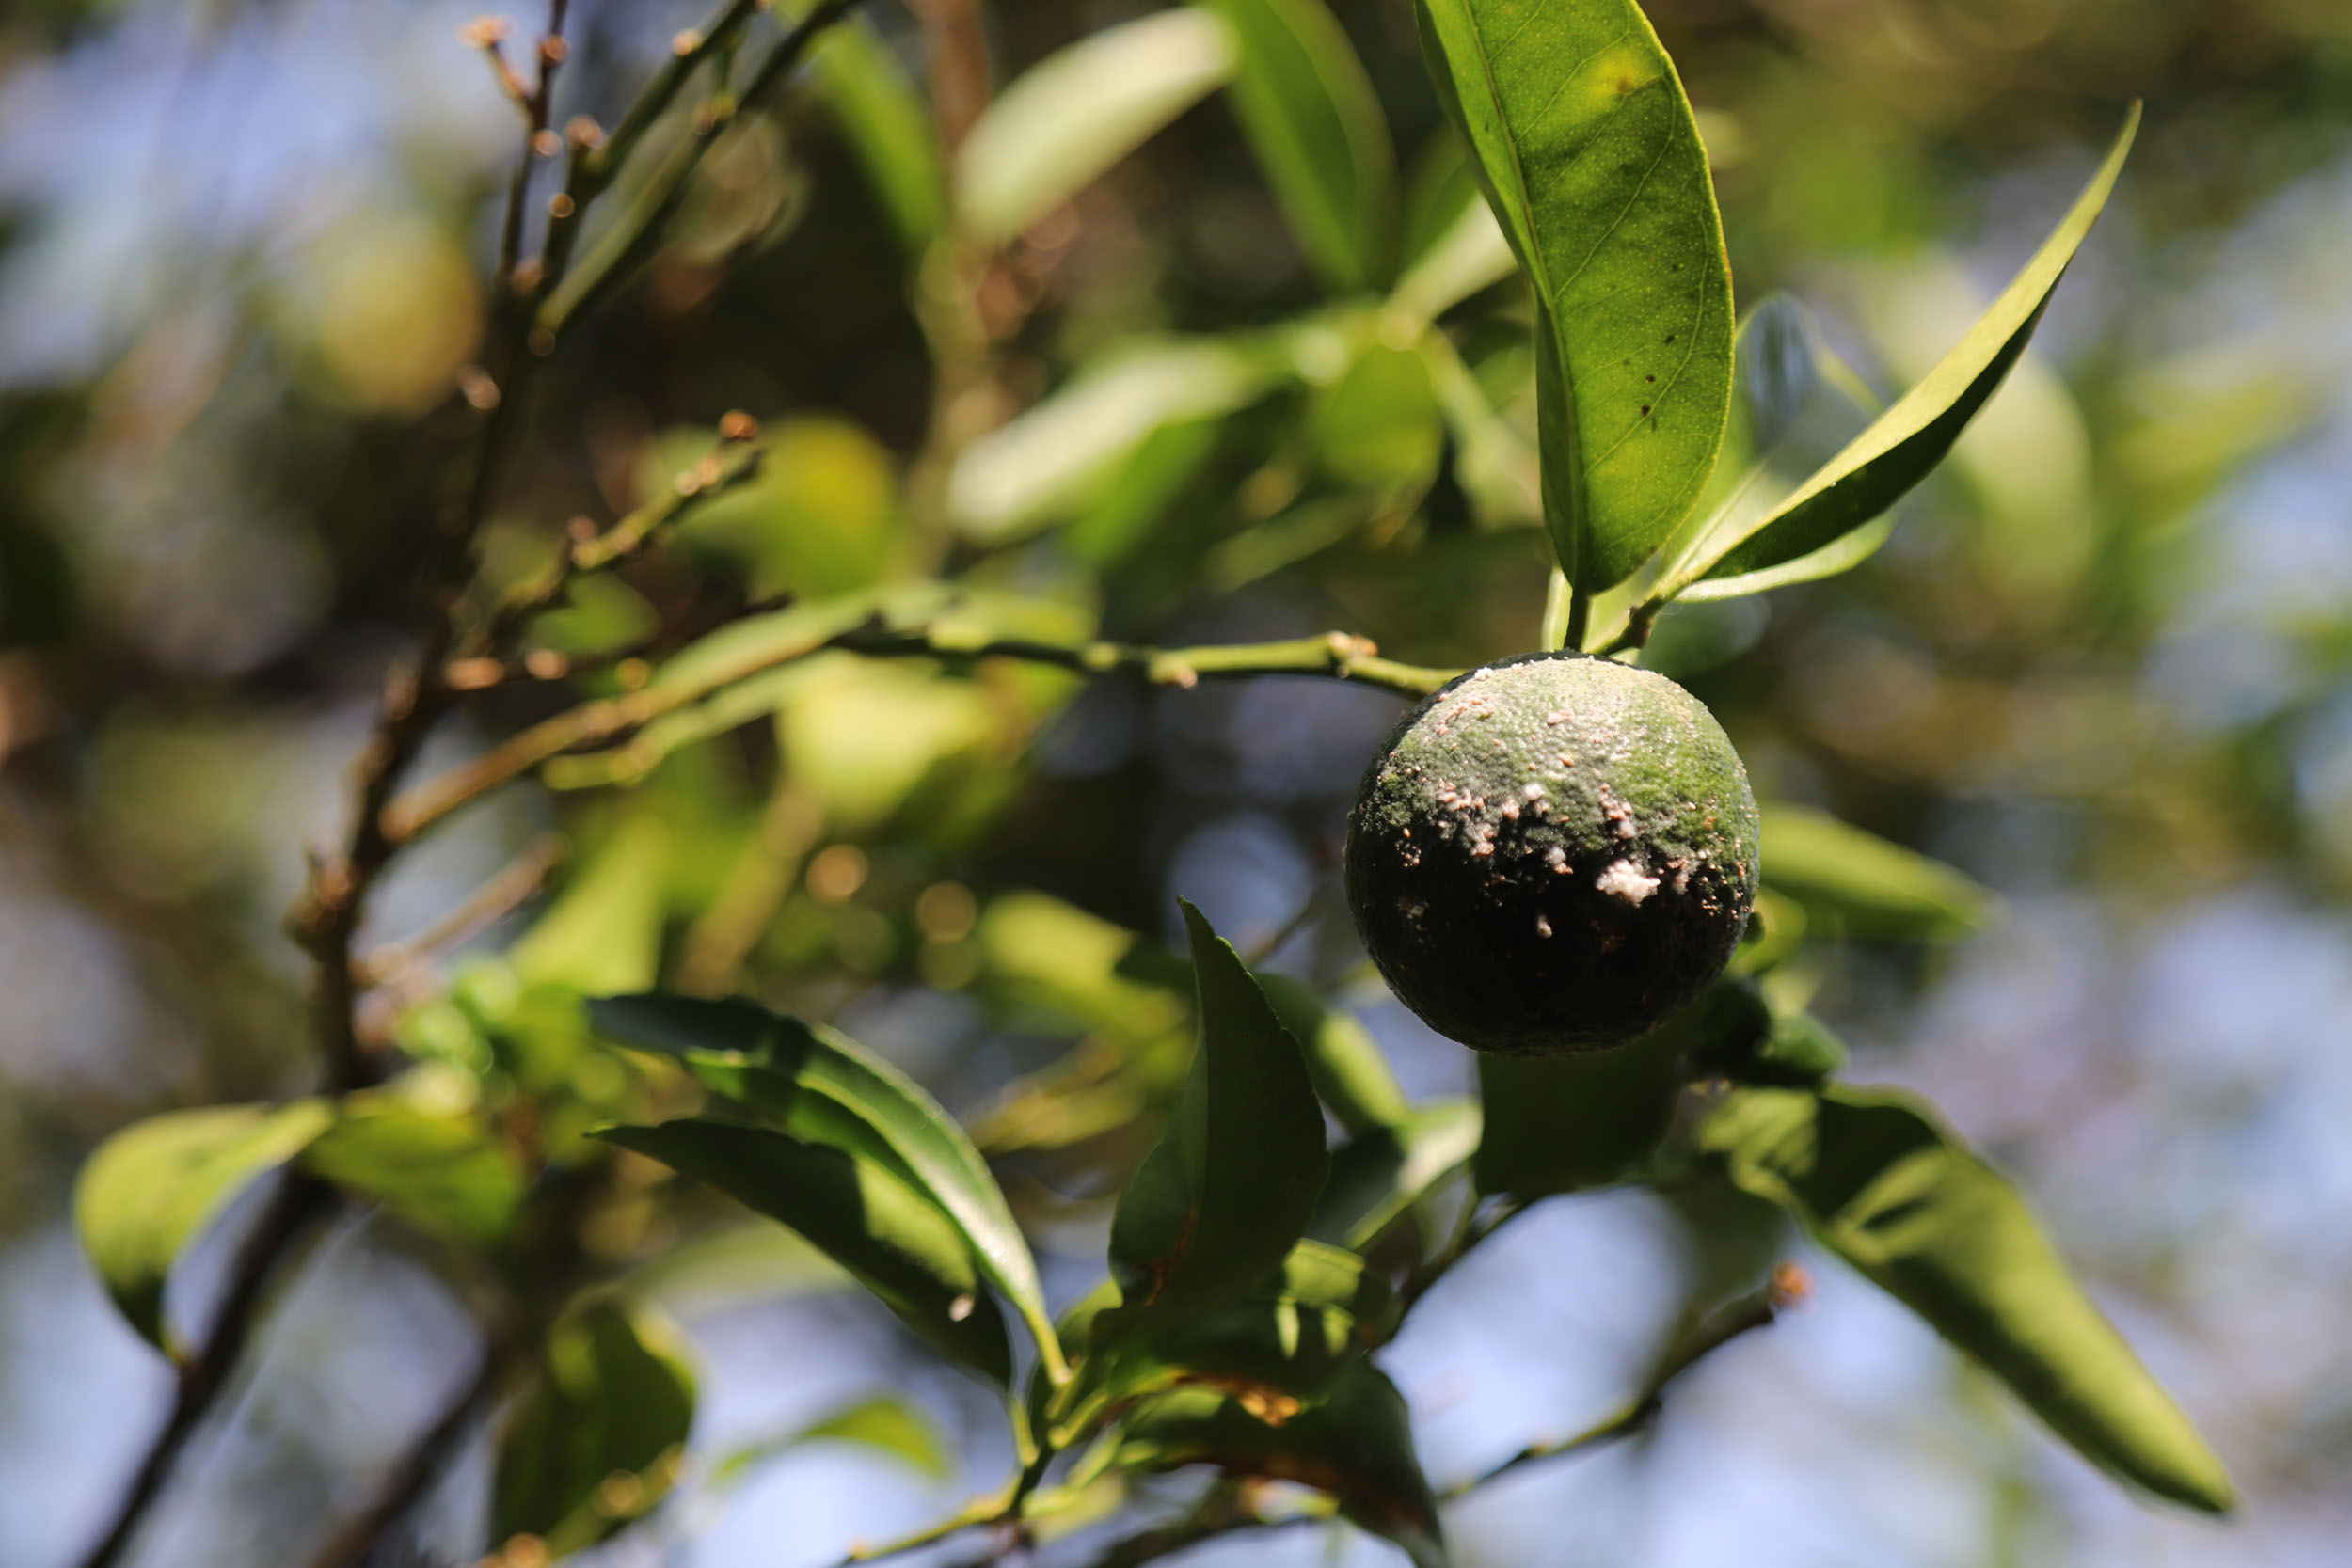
pixel 1859 883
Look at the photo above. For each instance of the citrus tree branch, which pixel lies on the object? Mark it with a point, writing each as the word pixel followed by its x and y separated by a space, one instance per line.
pixel 1336 656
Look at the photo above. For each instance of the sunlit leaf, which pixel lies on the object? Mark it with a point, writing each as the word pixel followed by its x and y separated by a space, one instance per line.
pixel 1047 462
pixel 897 1241
pixel 1859 883
pixel 884 1424
pixel 1379 426
pixel 1356 1445
pixel 1588 153
pixel 1381 1172
pixel 1071 115
pixel 1316 126
pixel 822 1086
pixel 595 1443
pixel 604 933
pixel 152 1188
pixel 1887 1188
pixel 1902 445
pixel 449 1175
pixel 1228 1192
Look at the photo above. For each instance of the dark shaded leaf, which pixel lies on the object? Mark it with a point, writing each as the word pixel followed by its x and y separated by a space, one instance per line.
pixel 1880 1182
pixel 1344 1061
pixel 825 1087
pixel 1220 1202
pixel 595 1442
pixel 1379 1175
pixel 1356 1445
pixel 897 1243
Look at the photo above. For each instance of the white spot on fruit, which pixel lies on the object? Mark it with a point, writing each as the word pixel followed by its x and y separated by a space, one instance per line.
pixel 1625 880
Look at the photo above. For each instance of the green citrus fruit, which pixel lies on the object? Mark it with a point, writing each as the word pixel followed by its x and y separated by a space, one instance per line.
pixel 1553 854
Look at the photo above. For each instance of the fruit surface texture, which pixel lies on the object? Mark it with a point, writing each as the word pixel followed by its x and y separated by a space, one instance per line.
pixel 1551 854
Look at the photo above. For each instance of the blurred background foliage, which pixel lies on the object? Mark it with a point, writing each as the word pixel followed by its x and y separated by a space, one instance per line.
pixel 2100 667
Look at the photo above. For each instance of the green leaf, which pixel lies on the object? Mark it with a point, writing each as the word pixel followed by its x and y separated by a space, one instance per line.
pixel 448 1175
pixel 1316 126
pixel 1798 405
pixel 823 1086
pixel 884 1424
pixel 887 126
pixel 896 1241
pixel 1345 1063
pixel 1221 1200
pixel 1770 1050
pixel 1381 1174
pixel 1138 490
pixel 1560 1124
pixel 1858 883
pixel 595 1443
pixel 1887 1188
pixel 1071 115
pixel 604 933
pixel 1587 151
pixel 151 1189
pixel 1048 462
pixel 1379 426
pixel 1356 1445
pixel 1900 447
pixel 1470 256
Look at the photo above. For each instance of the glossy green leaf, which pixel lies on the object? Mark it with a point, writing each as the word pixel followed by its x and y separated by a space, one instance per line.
pixel 889 128
pixel 449 1175
pixel 151 1189
pixel 1312 119
pixel 896 1241
pixel 1902 445
pixel 1350 1074
pixel 1887 1189
pixel 884 1424
pixel 1381 1172
pixel 1796 406
pixel 595 1443
pixel 604 933
pixel 1050 460
pixel 822 1086
pixel 1071 115
pixel 1356 1445
pixel 1859 883
pixel 1226 1193
pixel 1587 151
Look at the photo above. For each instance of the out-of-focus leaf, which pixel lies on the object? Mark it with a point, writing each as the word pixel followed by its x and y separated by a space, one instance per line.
pixel 1796 406
pixel 1495 465
pixel 1277 1351
pixel 1381 1172
pixel 595 1442
pixel 1886 1187
pixel 897 1241
pixel 1440 186
pixel 1228 1192
pixel 1141 491
pixel 884 1424
pixel 449 1175
pixel 1356 1445
pixel 1378 425
pixel 1317 128
pixel 823 1086
pixel 821 519
pixel 1350 1074
pixel 1071 115
pixel 152 1188
pixel 1902 445
pixel 604 933
pixel 1587 148
pixel 1559 1124
pixel 888 127
pixel 1746 1042
pixel 1048 460
pixel 1858 883
pixel 860 772
pixel 1471 255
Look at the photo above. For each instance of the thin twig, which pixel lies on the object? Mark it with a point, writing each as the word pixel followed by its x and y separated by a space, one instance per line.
pixel 425 1462
pixel 1336 656
pixel 538 141
pixel 492 901
pixel 293 1211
